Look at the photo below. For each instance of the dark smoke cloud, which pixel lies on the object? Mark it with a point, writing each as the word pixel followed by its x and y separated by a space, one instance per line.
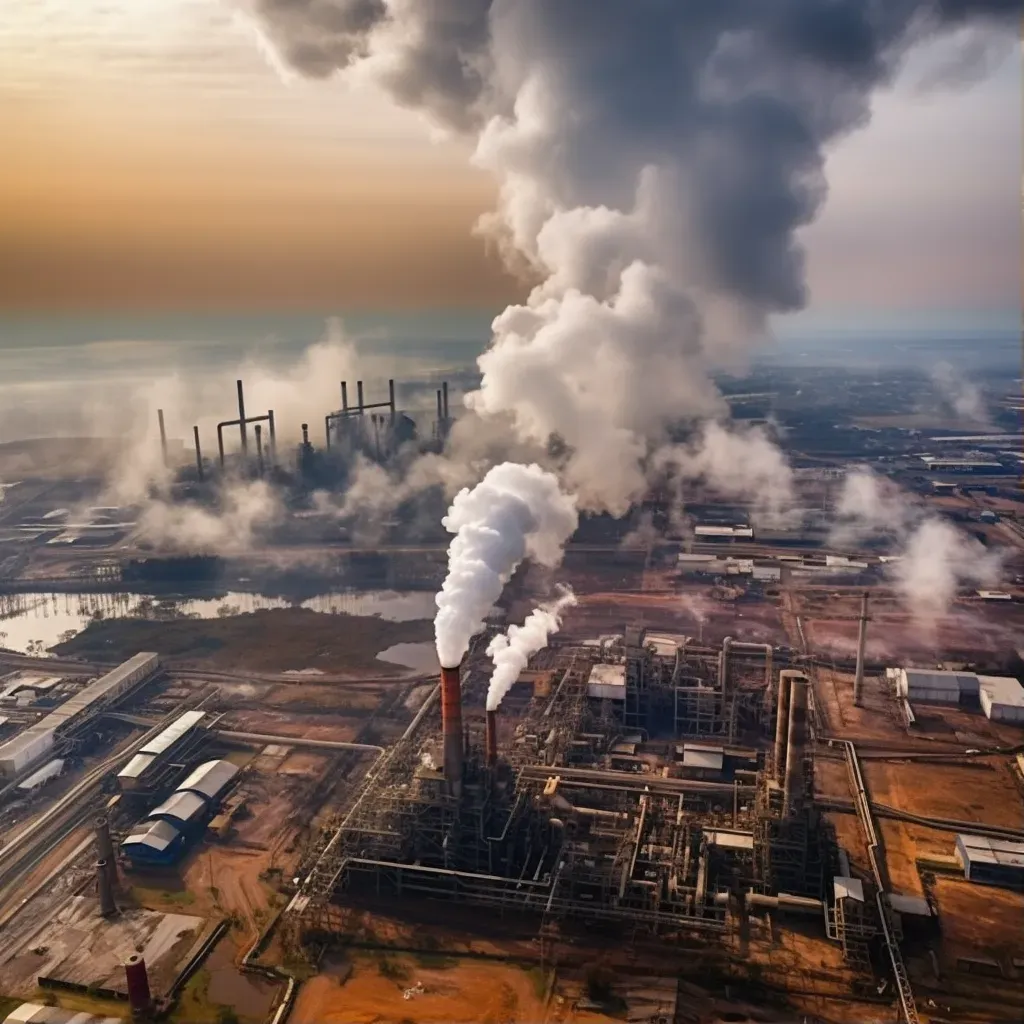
pixel 655 160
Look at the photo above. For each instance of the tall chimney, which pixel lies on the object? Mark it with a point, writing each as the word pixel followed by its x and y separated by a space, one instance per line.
pixel 241 417
pixel 782 724
pixel 105 890
pixel 792 794
pixel 259 449
pixel 344 396
pixel 444 399
pixel 862 640
pixel 105 849
pixel 440 414
pixel 163 434
pixel 391 398
pixel 451 727
pixel 359 396
pixel 723 664
pixel 137 982
pixel 491 738
pixel 199 453
pixel 305 435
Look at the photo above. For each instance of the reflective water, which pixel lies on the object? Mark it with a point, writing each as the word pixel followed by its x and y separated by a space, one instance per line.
pixel 421 657
pixel 31 623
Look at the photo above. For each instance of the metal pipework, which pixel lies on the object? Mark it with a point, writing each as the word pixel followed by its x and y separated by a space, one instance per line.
pixel 359 396
pixel 105 890
pixel 199 452
pixel 391 398
pixel 792 794
pixel 241 416
pixel 451 727
pixel 259 449
pixel 105 849
pixel 782 722
pixel 163 434
pixel 723 664
pixel 862 640
pixel 268 419
pixel 491 738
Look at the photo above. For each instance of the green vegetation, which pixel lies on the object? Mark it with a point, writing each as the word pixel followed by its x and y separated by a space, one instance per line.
pixel 393 970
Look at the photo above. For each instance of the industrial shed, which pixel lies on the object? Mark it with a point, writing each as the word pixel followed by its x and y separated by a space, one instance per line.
pixel 181 808
pixel 607 682
pixel 153 842
pixel 991 861
pixel 146 762
pixel 210 779
pixel 928 686
pixel 38 1013
pixel 1002 699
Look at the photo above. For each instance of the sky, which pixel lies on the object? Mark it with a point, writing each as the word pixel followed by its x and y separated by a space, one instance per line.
pixel 156 157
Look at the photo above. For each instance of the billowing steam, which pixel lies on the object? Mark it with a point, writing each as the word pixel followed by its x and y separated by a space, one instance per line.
pixel 514 512
pixel 936 558
pixel 511 651
pixel 655 160
pixel 963 396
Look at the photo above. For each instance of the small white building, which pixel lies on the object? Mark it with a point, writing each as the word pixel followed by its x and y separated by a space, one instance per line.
pixel 607 682
pixel 930 686
pixel 1002 699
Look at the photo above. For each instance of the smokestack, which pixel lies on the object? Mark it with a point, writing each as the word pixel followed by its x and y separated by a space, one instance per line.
pixel 451 727
pixel 105 849
pixel 391 398
pixel 241 417
pixel 305 435
pixel 792 794
pixel 105 890
pixel 440 412
pixel 723 664
pixel 444 399
pixel 491 738
pixel 137 982
pixel 163 434
pixel 272 445
pixel 359 396
pixel 862 639
pixel 199 452
pixel 782 724
pixel 344 396
pixel 259 449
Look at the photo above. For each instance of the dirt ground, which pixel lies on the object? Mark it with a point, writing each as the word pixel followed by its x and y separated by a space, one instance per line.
pixel 982 791
pixel 274 640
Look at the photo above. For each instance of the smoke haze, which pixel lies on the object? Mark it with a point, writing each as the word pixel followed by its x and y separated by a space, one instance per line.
pixel 512 651
pixel 514 512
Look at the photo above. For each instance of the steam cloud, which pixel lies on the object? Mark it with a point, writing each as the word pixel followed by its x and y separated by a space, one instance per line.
pixel 511 651
pixel 515 511
pixel 962 395
pixel 654 159
pixel 936 558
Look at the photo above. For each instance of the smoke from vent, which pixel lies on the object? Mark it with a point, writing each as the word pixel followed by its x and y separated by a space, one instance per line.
pixel 963 396
pixel 935 558
pixel 511 651
pixel 654 161
pixel 514 512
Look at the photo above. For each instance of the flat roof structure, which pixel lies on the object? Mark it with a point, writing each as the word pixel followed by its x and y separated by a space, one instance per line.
pixel 41 776
pixel 175 731
pixel 1002 699
pixel 703 757
pixel 607 682
pixel 210 779
pixel 991 861
pixel 935 686
pixel 37 1013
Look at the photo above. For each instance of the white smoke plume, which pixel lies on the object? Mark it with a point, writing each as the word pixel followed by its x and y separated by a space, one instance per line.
pixel 242 512
pixel 514 512
pixel 963 396
pixel 935 558
pixel 655 161
pixel 511 651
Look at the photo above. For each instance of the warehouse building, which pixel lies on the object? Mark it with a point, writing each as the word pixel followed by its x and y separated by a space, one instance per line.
pixel 1002 699
pixel 143 768
pixel 210 780
pixel 33 743
pixel 991 861
pixel 930 686
pixel 182 809
pixel 156 843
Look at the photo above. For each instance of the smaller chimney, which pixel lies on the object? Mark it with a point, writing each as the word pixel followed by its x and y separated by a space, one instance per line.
pixel 359 396
pixel 305 435
pixel 259 449
pixel 491 738
pixel 105 849
pixel 241 417
pixel 344 396
pixel 105 891
pixel 440 412
pixel 391 398
pixel 199 453
pixel 444 399
pixel 137 982
pixel 163 434
pixel 862 640
pixel 451 727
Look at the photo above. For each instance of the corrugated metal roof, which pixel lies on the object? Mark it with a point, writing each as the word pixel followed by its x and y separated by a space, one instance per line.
pixel 848 888
pixel 997 852
pixel 136 766
pixel 730 840
pixel 607 682
pixel 154 835
pixel 210 779
pixel 166 739
pixel 36 1013
pixel 183 805
pixel 1002 690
